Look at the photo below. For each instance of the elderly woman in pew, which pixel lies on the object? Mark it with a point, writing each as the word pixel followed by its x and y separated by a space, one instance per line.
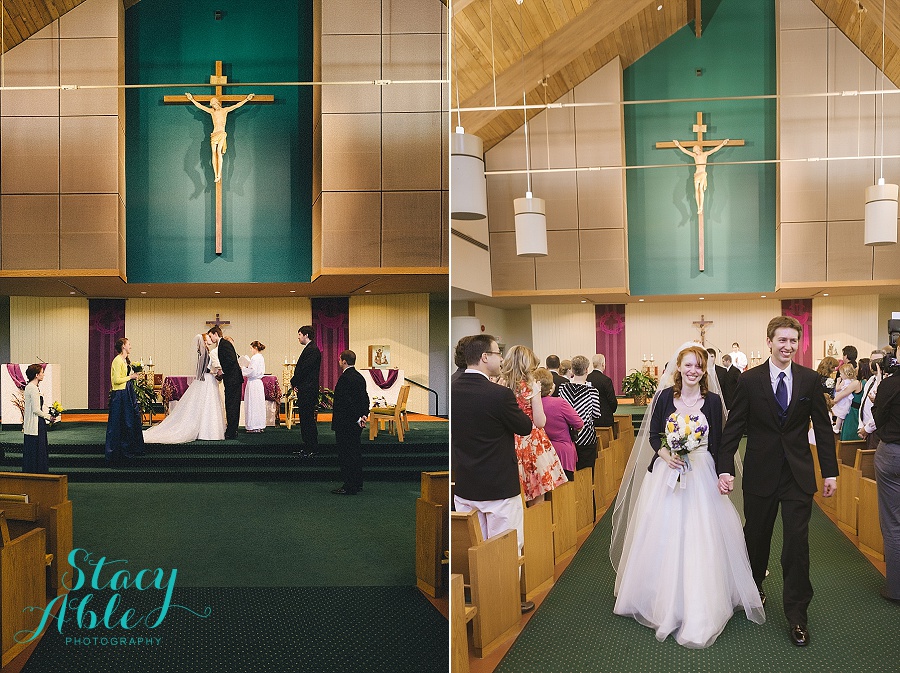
pixel 562 420
pixel 35 454
pixel 887 473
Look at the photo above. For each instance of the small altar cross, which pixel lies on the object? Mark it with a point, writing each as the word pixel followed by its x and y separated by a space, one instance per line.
pixel 700 161
pixel 218 80
pixel 219 323
pixel 702 323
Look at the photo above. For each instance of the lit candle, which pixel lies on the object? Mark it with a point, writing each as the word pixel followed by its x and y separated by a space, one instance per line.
pixel 151 361
pixel 285 361
pixel 644 357
pixel 651 357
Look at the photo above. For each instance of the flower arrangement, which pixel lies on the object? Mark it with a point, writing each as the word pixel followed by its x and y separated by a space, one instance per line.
pixel 639 385
pixel 146 396
pixel 683 434
pixel 55 410
pixel 326 400
pixel 18 399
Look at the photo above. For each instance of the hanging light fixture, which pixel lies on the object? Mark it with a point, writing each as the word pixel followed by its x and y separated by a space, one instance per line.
pixel 881 199
pixel 531 212
pixel 468 192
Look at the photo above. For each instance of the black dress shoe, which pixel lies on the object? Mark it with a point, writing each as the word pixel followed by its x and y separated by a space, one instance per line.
pixel 527 606
pixel 887 597
pixel 762 596
pixel 799 635
pixel 343 491
pixel 231 436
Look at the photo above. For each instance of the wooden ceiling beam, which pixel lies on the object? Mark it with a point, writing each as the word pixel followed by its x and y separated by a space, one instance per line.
pixel 576 37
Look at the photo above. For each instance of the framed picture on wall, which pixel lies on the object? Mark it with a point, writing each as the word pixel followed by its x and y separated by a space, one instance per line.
pixel 832 349
pixel 379 357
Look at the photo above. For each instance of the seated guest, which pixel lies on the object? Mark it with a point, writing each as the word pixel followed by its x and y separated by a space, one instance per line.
pixel 561 421
pixel 585 399
pixel 553 367
pixel 604 386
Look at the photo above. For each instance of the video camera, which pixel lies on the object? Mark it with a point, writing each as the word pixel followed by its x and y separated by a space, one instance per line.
pixel 893 332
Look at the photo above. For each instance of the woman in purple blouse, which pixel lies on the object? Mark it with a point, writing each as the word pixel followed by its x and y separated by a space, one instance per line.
pixel 561 417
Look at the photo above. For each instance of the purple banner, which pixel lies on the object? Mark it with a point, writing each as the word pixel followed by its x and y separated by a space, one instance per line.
pixel 382 381
pixel 331 320
pixel 15 373
pixel 610 321
pixel 801 309
pixel 106 323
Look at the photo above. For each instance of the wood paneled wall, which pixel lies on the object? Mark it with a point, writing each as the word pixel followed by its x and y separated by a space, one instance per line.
pixel 564 330
pixel 401 322
pixel 54 329
pixel 164 328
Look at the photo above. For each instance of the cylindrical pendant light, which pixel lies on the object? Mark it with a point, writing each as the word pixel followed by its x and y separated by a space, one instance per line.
pixel 468 188
pixel 531 226
pixel 462 326
pixel 881 214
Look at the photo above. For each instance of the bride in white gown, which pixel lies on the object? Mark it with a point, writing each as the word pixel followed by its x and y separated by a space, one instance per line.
pixel 677 544
pixel 198 414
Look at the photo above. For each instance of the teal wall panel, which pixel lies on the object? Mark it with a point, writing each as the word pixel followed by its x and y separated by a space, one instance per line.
pixel 267 178
pixel 736 55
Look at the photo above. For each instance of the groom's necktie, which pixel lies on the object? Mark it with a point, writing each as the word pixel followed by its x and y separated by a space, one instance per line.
pixel 781 396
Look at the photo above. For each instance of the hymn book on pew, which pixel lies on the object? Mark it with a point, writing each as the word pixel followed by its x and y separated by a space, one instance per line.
pixel 14 497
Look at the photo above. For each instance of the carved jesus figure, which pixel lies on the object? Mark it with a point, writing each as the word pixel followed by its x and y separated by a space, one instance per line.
pixel 217 139
pixel 699 157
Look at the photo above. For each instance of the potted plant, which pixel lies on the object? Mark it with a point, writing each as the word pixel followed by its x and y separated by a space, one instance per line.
pixel 640 386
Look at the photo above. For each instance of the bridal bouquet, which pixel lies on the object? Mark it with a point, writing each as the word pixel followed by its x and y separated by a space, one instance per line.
pixel 683 434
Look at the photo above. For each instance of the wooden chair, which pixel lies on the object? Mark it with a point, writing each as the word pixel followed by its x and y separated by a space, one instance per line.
pixel 23 577
pixel 393 417
pixel 491 570
pixel 538 570
pixel 432 531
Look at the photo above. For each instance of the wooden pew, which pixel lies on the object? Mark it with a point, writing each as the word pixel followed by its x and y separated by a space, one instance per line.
pixel 432 531
pixel 50 492
pixel 846 451
pixel 23 578
pixel 827 504
pixel 625 424
pixel 584 500
pixel 460 615
pixel 537 573
pixel 608 483
pixel 491 570
pixel 604 437
pixel 565 530
pixel 870 539
pixel 865 463
pixel 847 497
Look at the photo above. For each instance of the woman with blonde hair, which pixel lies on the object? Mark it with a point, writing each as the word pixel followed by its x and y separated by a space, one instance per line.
pixel 539 468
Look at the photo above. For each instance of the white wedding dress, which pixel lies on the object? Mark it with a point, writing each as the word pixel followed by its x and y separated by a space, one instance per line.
pixel 683 569
pixel 198 414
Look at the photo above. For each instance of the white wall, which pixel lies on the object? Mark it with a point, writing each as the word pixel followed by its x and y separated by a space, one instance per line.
pixel 564 330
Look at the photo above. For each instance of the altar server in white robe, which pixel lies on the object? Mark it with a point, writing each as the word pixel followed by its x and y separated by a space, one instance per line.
pixel 254 394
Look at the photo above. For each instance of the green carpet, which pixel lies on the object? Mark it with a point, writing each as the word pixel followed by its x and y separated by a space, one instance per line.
pixel 253 534
pixel 277 630
pixel 851 627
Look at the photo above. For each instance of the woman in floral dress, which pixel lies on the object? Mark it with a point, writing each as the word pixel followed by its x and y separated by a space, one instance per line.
pixel 539 468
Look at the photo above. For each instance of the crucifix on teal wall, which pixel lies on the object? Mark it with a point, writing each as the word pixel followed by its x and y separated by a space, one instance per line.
pixel 217 137
pixel 700 158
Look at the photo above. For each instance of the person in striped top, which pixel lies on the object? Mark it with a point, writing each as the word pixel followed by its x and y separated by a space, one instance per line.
pixel 585 399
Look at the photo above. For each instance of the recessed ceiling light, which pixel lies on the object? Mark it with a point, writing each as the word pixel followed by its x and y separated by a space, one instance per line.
pixel 825 295
pixel 293 291
pixel 368 291
pixel 659 8
pixel 72 292
pixel 701 298
pixel 217 292
pixel 143 291
pixel 640 300
pixel 762 296
pixel 584 301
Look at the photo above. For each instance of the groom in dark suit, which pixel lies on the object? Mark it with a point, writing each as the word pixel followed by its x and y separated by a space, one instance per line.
pixel 351 409
pixel 775 403
pixel 306 382
pixel 232 377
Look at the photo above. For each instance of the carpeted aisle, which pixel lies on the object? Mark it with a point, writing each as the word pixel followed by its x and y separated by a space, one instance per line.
pixel 851 627
pixel 265 630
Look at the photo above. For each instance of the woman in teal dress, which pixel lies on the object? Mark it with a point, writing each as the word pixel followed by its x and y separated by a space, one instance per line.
pixel 849 430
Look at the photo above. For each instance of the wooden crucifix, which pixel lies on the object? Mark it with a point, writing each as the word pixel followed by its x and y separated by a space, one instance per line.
pixel 699 156
pixel 217 138
pixel 702 323
pixel 218 323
